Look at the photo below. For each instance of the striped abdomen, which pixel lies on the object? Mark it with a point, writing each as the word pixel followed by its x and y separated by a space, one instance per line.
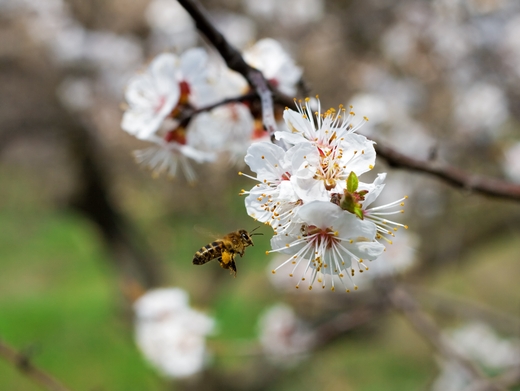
pixel 208 252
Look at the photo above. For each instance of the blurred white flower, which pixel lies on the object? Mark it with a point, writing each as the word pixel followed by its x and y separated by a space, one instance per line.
pixel 452 40
pixel 479 343
pixel 238 29
pixel 226 129
pixel 510 45
pixel 170 334
pixel 511 162
pixel 166 156
pixel 227 83
pixel 397 258
pixel 285 338
pixel 289 12
pixel 268 56
pixel 452 377
pixel 481 108
pixel 373 106
pixel 399 42
pixel 151 97
pixel 76 93
pixel 172 26
pixel 156 99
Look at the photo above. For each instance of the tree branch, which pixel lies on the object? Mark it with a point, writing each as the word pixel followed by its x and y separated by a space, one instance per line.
pixel 452 175
pixel 23 364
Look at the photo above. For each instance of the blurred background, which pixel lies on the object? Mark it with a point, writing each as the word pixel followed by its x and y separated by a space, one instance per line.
pixel 84 230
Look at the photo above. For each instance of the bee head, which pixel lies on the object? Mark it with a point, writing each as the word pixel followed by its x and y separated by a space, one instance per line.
pixel 246 236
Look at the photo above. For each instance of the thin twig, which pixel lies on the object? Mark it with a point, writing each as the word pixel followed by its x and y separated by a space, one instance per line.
pixel 188 114
pixel 24 365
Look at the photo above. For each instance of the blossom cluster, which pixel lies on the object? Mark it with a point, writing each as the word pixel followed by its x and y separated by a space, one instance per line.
pixel 309 192
pixel 177 105
pixel 170 334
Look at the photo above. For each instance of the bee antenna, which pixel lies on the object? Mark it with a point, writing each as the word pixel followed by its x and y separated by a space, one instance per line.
pixel 256 233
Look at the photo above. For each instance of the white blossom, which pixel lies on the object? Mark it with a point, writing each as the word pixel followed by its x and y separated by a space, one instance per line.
pixel 310 195
pixel 170 334
pixel 379 214
pixel 156 98
pixel 151 97
pixel 330 241
pixel 273 200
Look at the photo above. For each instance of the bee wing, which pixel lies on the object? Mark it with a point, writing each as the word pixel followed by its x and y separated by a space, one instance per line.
pixel 205 233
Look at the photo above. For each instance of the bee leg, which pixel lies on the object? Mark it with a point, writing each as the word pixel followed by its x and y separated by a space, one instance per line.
pixel 227 261
pixel 233 268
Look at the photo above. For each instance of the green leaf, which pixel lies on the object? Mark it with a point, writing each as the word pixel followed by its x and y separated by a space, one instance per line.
pixel 352 182
pixel 359 213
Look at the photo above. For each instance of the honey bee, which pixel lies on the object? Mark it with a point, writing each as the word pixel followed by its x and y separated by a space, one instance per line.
pixel 225 249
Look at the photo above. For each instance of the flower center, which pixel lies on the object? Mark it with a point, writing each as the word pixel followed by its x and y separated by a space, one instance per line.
pixel 320 237
pixel 329 170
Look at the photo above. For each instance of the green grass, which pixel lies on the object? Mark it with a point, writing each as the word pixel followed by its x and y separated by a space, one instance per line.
pixel 58 299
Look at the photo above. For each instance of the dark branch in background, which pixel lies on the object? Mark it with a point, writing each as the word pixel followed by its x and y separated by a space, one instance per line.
pixel 454 176
pixel 132 255
pixel 234 61
pixel 23 364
